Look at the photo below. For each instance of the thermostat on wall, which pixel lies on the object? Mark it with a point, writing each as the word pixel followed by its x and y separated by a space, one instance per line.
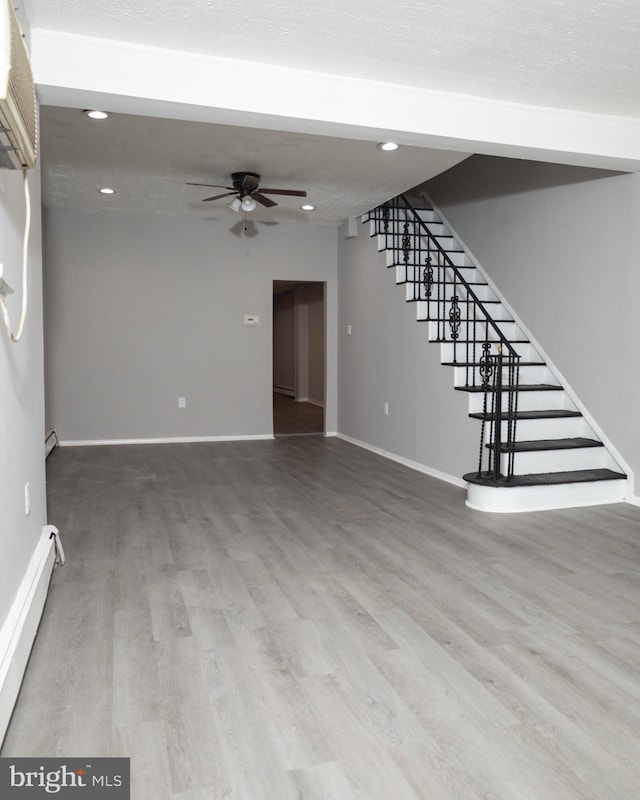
pixel 251 319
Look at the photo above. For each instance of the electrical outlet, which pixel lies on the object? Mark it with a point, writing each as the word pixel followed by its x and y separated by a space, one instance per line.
pixel 348 330
pixel 182 402
pixel 386 409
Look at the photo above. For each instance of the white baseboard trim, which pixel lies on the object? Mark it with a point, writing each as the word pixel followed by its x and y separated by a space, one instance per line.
pixel 633 499
pixel 330 433
pixel 252 437
pixel 434 473
pixel 289 391
pixel 311 402
pixel 19 629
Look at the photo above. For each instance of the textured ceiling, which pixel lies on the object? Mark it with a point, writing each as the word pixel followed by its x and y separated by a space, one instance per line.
pixel 577 54
pixel 573 54
pixel 148 161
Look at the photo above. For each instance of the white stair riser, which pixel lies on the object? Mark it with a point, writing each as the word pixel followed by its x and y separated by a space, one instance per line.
pixel 439 230
pixel 396 256
pixel 446 241
pixel 475 330
pixel 527 401
pixel 417 290
pixel 554 428
pixel 539 498
pixel 464 376
pixel 433 308
pixel 413 273
pixel 525 350
pixel 399 218
pixel 427 215
pixel 559 460
pixel 440 239
pixel 456 258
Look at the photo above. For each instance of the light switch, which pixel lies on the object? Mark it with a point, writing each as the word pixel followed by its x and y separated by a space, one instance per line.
pixel 251 319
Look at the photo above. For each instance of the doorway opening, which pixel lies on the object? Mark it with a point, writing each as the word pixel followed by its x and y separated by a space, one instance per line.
pixel 299 368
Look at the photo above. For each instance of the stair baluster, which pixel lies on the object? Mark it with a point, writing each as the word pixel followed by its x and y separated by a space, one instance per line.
pixel 460 318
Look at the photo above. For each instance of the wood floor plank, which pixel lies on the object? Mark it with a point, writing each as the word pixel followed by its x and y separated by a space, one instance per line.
pixel 149 767
pixel 250 754
pixel 369 766
pixel 323 782
pixel 301 619
pixel 195 752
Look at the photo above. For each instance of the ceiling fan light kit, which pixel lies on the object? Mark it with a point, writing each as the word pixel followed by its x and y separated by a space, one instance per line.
pixel 246 187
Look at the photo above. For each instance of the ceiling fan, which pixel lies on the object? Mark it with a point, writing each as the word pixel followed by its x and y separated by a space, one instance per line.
pixel 246 187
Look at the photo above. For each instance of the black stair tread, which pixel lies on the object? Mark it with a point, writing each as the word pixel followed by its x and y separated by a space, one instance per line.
pixel 460 300
pixel 545 413
pixel 523 387
pixel 448 283
pixel 479 364
pixel 385 249
pixel 539 445
pixel 546 478
pixel 422 265
pixel 474 341
pixel 478 321
pixel 419 281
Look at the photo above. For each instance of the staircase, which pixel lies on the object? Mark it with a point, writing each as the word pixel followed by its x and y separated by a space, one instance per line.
pixel 537 451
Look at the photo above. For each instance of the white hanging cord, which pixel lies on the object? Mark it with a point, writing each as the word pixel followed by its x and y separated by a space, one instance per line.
pixel 27 227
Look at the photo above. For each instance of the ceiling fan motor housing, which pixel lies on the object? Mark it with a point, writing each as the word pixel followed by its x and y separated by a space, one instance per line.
pixel 245 182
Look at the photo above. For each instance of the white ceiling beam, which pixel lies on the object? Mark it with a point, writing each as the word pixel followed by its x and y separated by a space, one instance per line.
pixel 78 71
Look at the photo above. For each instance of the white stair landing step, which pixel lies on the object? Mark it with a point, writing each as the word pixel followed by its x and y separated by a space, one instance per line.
pixel 545 491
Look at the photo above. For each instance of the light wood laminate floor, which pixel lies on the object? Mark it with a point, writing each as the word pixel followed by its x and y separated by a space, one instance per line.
pixel 300 619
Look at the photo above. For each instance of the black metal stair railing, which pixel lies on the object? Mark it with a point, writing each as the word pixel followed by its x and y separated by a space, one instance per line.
pixel 489 362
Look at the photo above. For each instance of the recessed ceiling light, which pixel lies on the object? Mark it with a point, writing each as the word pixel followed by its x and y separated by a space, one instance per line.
pixel 107 190
pixel 388 146
pixel 96 114
pixel 307 207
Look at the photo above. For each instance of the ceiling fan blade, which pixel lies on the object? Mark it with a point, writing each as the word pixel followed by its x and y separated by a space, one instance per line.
pixel 217 196
pixel 265 201
pixel 250 182
pixel 211 185
pixel 291 192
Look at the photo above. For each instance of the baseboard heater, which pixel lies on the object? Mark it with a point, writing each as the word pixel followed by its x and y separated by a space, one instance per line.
pixel 18 631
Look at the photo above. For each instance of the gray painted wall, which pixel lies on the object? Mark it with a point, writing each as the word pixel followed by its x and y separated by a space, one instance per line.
pixel 563 245
pixel 313 295
pixel 284 361
pixel 302 342
pixel 387 358
pixel 142 310
pixel 22 394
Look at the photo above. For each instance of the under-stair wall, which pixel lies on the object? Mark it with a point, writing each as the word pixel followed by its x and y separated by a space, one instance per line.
pixel 563 245
pixel 387 358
